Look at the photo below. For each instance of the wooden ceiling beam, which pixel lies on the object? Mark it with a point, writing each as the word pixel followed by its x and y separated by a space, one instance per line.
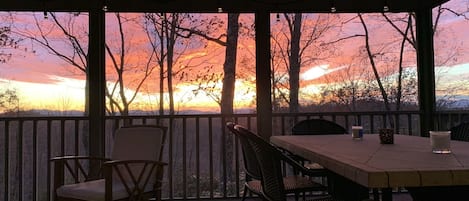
pixel 211 6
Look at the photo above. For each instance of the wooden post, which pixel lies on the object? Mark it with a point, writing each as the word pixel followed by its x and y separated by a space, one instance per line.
pixel 426 70
pixel 263 82
pixel 96 66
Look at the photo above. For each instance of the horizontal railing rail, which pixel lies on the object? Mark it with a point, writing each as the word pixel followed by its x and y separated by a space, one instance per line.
pixel 204 159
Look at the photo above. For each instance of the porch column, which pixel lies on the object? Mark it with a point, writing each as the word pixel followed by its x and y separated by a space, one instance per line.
pixel 426 69
pixel 96 68
pixel 263 82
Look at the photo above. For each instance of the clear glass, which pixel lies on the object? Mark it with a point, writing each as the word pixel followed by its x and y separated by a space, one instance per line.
pixel 440 142
pixel 357 132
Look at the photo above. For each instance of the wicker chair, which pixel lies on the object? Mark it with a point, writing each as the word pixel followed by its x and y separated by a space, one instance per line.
pixel 251 168
pixel 320 127
pixel 317 127
pixel 273 185
pixel 460 132
pixel 134 171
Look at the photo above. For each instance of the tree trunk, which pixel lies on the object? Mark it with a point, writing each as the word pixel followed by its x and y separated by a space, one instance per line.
pixel 229 67
pixel 294 61
pixel 171 34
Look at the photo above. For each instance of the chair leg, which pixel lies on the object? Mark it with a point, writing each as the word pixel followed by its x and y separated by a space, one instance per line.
pixel 245 193
pixel 376 194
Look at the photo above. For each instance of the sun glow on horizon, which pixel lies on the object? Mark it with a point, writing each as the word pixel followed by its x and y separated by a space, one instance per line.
pixel 69 94
pixel 63 95
pixel 318 71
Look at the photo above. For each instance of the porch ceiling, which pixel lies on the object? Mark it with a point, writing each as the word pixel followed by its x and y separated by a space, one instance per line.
pixel 210 6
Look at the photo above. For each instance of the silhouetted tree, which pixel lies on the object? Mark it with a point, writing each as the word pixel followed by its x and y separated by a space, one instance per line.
pixel 298 42
pixel 9 101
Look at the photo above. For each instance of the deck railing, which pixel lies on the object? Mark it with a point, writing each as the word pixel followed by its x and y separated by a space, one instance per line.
pixel 204 159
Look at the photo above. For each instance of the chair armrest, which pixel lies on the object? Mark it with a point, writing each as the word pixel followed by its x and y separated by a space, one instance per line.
pixel 74 166
pixel 117 162
pixel 134 175
pixel 301 168
pixel 58 158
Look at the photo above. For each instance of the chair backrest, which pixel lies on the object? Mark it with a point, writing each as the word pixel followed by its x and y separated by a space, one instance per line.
pixel 269 161
pixel 138 142
pixel 251 166
pixel 460 132
pixel 317 127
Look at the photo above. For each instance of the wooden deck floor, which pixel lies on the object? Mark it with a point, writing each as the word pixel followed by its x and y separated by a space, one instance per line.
pixel 396 197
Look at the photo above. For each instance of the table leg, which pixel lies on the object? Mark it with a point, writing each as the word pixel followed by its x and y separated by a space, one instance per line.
pixel 347 190
pixel 439 193
pixel 386 194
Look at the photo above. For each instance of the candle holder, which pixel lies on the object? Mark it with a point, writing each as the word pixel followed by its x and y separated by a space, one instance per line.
pixel 386 136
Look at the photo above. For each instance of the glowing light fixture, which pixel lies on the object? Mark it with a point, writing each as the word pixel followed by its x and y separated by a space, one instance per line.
pixel 385 7
pixel 333 9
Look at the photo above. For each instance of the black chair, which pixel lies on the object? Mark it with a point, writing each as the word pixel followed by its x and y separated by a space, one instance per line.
pixel 317 127
pixel 275 186
pixel 460 132
pixel 320 127
pixel 251 168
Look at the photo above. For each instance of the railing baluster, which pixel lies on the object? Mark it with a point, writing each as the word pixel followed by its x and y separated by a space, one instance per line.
pixel 210 139
pixel 409 124
pixel 170 158
pixel 62 137
pixel 49 151
pixel 237 164
pixel 396 118
pixel 77 142
pixel 224 162
pixel 197 156
pixel 6 172
pixel 184 157
pixel 35 147
pixel 19 161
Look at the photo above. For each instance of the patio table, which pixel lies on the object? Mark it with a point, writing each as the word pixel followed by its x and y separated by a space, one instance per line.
pixel 409 162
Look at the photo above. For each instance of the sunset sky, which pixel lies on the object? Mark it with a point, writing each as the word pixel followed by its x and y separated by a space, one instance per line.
pixel 44 81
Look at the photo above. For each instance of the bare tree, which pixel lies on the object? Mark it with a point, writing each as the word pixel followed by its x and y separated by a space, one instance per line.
pixel 229 40
pixel 208 81
pixel 8 41
pixel 65 38
pixel 299 45
pixel 9 101
pixel 118 93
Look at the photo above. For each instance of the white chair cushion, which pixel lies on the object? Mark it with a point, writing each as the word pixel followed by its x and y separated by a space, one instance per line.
pixel 93 190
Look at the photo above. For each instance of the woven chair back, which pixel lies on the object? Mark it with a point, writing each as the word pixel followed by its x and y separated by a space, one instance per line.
pixel 269 163
pixel 460 132
pixel 251 166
